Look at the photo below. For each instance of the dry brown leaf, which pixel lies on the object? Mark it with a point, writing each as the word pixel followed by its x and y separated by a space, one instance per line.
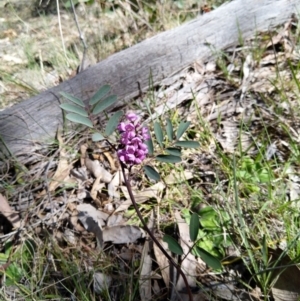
pixel 141 196
pixel 113 186
pixel 94 191
pixel 92 220
pixel 114 220
pixel 83 149
pixel 145 282
pixel 101 282
pixel 178 177
pixel 9 213
pixel 97 170
pixel 163 261
pixel 90 211
pixel 63 167
pixel 122 234
pixel 280 35
pixel 111 160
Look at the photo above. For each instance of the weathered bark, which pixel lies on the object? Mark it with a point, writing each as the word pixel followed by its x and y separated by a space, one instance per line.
pixel 26 126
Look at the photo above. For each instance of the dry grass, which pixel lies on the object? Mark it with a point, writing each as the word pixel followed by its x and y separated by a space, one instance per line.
pixel 41 48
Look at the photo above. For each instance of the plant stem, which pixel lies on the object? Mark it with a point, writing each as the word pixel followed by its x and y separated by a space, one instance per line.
pixel 172 262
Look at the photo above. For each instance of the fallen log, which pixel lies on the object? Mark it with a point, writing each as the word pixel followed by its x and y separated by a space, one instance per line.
pixel 26 127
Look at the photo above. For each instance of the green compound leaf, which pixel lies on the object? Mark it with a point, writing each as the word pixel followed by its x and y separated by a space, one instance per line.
pixel 151 173
pixel 75 109
pixel 149 144
pixel 194 226
pixel 188 144
pixel 168 158
pixel 104 104
pixel 113 123
pixel 158 133
pixel 169 130
pixel 97 137
pixel 79 119
pixel 209 259
pixel 73 99
pixel 183 126
pixel 173 151
pixel 99 94
pixel 173 244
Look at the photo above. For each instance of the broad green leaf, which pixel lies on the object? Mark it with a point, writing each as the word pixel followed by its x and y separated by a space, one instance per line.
pixel 209 259
pixel 169 129
pixel 97 137
pixel 264 176
pixel 208 244
pixel 73 99
pixel 113 123
pixel 207 211
pixel 79 119
pixel 194 226
pixel 187 144
pixel 209 218
pixel 149 144
pixel 173 244
pixel 104 104
pixel 209 224
pixel 183 126
pixel 75 109
pixel 168 158
pixel 173 151
pixel 158 133
pixel 151 173
pixel 99 94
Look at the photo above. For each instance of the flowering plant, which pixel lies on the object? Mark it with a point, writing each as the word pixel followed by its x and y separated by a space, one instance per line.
pixel 132 149
pixel 135 144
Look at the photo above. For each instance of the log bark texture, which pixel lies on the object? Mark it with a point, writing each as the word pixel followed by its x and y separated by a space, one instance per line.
pixel 26 126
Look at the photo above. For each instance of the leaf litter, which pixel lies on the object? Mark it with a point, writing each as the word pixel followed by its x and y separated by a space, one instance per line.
pixel 95 208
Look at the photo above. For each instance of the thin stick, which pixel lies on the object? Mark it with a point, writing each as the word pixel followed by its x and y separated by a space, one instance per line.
pixel 60 31
pixel 81 67
pixel 128 186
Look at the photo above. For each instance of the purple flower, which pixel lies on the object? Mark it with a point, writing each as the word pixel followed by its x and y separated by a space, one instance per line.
pixel 132 149
pixel 132 117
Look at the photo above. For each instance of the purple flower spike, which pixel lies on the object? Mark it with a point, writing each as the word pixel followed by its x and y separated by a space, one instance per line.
pixel 132 117
pixel 132 149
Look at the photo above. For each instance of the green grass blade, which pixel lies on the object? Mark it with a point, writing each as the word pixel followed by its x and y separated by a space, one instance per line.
pixel 113 123
pixel 188 144
pixel 151 173
pixel 79 119
pixel 169 129
pixel 168 158
pixel 73 99
pixel 104 104
pixel 74 109
pixel 173 244
pixel 99 94
pixel 265 256
pixel 158 133
pixel 183 126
